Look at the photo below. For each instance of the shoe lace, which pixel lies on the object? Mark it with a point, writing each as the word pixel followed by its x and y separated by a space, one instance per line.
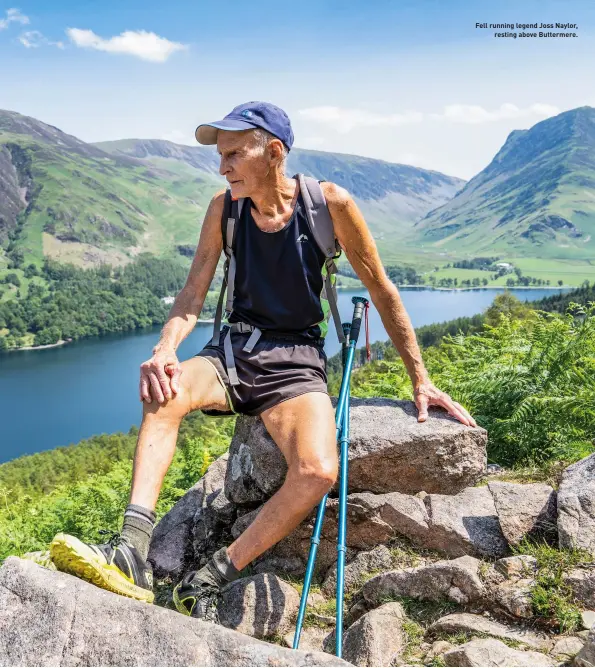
pixel 114 537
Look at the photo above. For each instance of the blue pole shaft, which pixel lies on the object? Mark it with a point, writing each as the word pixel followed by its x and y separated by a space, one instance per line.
pixel 315 540
pixel 342 531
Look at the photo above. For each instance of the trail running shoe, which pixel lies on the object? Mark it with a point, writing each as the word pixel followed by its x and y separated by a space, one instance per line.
pixel 197 596
pixel 116 565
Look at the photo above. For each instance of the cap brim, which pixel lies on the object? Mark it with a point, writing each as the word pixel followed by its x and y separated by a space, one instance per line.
pixel 207 132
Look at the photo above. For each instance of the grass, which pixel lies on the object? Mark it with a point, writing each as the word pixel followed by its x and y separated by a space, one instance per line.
pixel 549 473
pixel 552 599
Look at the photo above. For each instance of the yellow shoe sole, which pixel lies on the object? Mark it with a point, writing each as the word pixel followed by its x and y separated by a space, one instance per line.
pixel 71 555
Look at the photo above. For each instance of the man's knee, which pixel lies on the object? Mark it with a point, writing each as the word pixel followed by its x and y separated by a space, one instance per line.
pixel 316 477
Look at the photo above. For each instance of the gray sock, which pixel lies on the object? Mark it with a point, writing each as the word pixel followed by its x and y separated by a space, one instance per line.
pixel 138 527
pixel 219 570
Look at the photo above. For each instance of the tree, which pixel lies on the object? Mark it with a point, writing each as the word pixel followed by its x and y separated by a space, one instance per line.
pixel 560 282
pixel 13 278
pixel 507 305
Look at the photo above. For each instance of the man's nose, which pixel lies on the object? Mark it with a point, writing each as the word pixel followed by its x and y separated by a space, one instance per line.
pixel 223 167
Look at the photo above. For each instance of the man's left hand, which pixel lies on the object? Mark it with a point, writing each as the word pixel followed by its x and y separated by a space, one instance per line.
pixel 427 394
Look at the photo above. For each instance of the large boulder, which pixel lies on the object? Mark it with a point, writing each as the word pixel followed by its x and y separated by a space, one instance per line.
pixel 576 506
pixel 49 618
pixel 524 510
pixel 377 638
pixel 171 552
pixel 389 451
pixel 490 652
pixel 456 580
pixel 261 606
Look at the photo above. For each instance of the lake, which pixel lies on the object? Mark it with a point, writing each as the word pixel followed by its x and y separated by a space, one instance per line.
pixel 62 395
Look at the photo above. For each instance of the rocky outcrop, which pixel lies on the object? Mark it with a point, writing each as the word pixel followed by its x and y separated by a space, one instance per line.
pixel 466 523
pixel 377 638
pixel 49 618
pixel 261 606
pixel 172 551
pixel 524 510
pixel 576 506
pixel 389 451
pixel 476 624
pixel 364 564
pixel 456 580
pixel 490 652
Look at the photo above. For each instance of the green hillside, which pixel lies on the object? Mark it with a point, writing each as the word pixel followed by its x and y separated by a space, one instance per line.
pixel 536 199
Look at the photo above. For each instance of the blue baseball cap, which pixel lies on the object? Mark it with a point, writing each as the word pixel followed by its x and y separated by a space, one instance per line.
pixel 248 116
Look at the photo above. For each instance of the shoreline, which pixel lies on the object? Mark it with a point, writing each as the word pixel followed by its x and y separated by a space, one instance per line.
pixel 419 287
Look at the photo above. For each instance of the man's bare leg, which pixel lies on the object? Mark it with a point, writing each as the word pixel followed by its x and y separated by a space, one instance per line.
pixel 304 430
pixel 121 565
pixel 156 444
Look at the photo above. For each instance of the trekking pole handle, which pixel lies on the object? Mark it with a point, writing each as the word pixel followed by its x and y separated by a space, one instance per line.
pixel 359 305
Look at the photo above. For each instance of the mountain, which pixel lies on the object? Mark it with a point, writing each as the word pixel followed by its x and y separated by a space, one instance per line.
pixel 392 196
pixel 536 198
pixel 85 203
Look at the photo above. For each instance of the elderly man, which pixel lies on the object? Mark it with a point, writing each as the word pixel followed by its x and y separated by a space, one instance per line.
pixel 280 376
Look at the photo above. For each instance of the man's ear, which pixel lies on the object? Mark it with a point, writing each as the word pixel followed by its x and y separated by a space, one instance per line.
pixel 275 148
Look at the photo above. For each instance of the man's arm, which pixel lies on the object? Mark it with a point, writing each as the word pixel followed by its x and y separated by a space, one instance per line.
pixel 189 301
pixel 356 240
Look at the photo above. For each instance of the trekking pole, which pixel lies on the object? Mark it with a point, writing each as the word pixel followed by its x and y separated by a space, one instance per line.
pixel 342 517
pixel 359 305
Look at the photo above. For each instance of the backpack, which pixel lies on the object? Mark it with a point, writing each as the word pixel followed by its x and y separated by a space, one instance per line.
pixel 321 226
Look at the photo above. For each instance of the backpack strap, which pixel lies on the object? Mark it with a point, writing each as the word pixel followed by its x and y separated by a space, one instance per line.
pixel 321 226
pixel 232 210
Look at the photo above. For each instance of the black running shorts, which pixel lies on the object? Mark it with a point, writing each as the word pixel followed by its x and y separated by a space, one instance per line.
pixel 278 368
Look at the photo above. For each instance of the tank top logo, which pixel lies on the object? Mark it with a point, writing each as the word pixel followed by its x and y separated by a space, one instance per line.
pixel 302 238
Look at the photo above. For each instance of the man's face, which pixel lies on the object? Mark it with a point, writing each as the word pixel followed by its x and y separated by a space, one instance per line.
pixel 242 162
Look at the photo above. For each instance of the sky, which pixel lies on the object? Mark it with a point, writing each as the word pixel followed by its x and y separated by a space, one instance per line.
pixel 408 81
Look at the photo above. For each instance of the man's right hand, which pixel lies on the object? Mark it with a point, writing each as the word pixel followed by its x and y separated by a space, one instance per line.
pixel 159 377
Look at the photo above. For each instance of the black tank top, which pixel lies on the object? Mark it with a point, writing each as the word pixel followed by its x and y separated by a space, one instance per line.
pixel 278 275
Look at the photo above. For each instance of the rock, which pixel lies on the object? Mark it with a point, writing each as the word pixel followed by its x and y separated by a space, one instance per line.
pixel 314 599
pixel 257 467
pixel 214 519
pixel 372 519
pixel 377 638
pixel 519 566
pixel 515 597
pixel 490 652
pixel 456 580
pixel 471 624
pixel 171 552
pixel 582 585
pixel 379 558
pixel 438 649
pixel 576 506
pixel 567 648
pixel 389 451
pixel 588 619
pixel 48 618
pixel 466 523
pixel 524 510
pixel 312 638
pixel 583 635
pixel 586 657
pixel 260 606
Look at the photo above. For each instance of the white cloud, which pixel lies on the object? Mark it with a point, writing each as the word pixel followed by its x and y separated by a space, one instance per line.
pixel 32 39
pixel 474 114
pixel 139 43
pixel 13 15
pixel 344 120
